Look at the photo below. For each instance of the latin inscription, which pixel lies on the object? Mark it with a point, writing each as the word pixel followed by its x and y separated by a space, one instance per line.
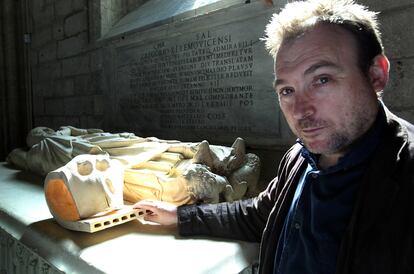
pixel 201 82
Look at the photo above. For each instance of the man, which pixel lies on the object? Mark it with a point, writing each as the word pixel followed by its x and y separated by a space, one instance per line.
pixel 342 201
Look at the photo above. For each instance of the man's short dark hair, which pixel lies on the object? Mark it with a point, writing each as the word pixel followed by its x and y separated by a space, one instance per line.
pixel 298 17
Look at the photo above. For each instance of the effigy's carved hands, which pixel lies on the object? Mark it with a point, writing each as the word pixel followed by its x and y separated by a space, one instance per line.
pixel 159 212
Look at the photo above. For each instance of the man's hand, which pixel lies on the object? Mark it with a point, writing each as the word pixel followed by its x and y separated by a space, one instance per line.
pixel 158 212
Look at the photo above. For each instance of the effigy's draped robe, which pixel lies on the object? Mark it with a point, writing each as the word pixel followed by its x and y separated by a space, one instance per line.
pixel 167 170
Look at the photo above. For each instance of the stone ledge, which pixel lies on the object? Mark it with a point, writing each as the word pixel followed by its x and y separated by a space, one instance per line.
pixel 18 258
pixel 126 248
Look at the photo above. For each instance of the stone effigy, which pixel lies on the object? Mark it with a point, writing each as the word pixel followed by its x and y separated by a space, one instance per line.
pixel 167 170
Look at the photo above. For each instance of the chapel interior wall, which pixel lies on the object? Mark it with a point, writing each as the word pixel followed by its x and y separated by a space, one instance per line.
pixel 82 78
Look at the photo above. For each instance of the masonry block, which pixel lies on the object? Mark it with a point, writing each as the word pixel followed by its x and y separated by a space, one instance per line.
pixel 407 114
pixel 72 45
pixel 88 105
pixel 49 71
pixel 404 113
pixel 381 5
pixel 400 90
pixel 98 105
pixel 43 13
pixel 79 4
pixel 47 52
pixel 90 83
pixel 96 83
pixel 63 8
pixel 43 88
pixel 398 32
pixel 96 60
pixel 64 87
pixel 37 6
pixel 54 106
pixel 59 121
pixel 82 83
pixel 76 23
pixel 43 121
pixel 75 66
pixel 38 105
pixel 41 37
pixel 79 105
pixel 58 32
pixel 72 106
pixel 91 121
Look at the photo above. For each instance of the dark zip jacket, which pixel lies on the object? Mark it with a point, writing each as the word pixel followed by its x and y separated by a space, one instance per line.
pixel 379 238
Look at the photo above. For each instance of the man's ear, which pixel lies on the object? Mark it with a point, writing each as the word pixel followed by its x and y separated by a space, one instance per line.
pixel 378 72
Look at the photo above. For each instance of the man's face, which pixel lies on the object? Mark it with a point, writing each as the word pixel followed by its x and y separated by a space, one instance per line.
pixel 326 99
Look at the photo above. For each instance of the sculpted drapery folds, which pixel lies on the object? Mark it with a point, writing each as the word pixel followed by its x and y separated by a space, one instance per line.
pixel 167 170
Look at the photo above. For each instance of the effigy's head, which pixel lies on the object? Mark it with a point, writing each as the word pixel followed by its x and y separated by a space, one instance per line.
pixel 86 186
pixel 37 134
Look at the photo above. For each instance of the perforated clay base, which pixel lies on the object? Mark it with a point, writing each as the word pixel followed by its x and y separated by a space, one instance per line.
pixel 100 223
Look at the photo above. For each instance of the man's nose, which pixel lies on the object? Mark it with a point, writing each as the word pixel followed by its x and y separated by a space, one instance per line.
pixel 303 107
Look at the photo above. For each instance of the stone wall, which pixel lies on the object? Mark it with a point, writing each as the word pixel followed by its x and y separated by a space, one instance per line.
pixel 66 79
pixel 205 77
pixel 398 38
pixel 76 68
pixel 66 59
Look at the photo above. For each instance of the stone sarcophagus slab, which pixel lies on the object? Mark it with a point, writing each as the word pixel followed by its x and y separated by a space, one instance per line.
pixel 204 77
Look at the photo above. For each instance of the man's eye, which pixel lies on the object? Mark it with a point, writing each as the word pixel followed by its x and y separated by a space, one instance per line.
pixel 322 80
pixel 285 91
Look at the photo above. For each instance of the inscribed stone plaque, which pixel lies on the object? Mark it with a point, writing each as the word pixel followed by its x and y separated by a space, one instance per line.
pixel 214 84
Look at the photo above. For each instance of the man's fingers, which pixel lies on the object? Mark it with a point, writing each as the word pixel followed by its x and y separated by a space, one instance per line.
pixel 151 218
pixel 158 212
pixel 145 204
